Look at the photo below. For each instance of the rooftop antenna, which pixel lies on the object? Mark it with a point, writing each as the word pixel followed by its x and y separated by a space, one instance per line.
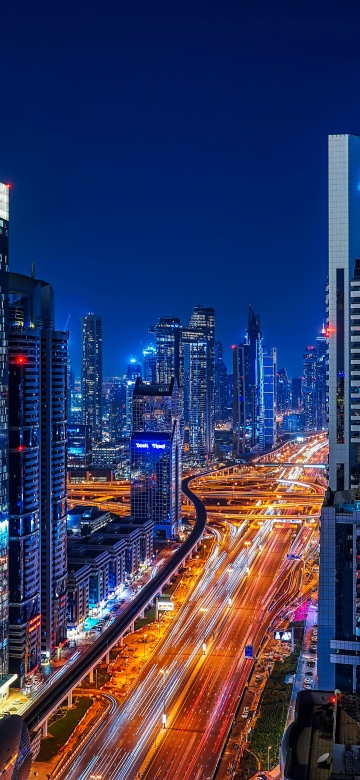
pixel 33 270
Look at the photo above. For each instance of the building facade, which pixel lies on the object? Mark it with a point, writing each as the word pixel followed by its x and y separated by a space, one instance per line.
pixel 91 374
pixel 321 381
pixel 79 449
pixel 149 364
pixel 169 350
pixel 155 457
pixel 4 506
pixel 199 337
pixel 32 306
pixel 221 385
pixel 248 383
pixel 268 440
pixel 309 388
pixel 339 599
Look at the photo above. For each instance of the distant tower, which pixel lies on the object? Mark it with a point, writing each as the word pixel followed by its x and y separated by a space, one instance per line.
pixel 269 361
pixel 169 350
pixel 91 374
pixel 309 388
pixel 248 378
pixel 200 338
pixel 149 360
pixel 156 457
pixel 321 375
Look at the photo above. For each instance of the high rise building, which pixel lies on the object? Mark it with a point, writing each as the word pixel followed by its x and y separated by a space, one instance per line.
pixel 270 377
pixel 321 380
pixel 91 374
pixel 169 350
pixel 248 407
pixel 115 397
pixel 38 409
pixel 24 494
pixel 4 507
pixel 79 449
pixel 149 363
pixel 133 370
pixel 339 596
pixel 283 392
pixel 221 387
pixel 200 338
pixel 309 388
pixel 296 393
pixel 156 457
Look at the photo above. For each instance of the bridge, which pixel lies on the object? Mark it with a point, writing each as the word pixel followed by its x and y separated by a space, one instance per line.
pixel 290 464
pixel 57 690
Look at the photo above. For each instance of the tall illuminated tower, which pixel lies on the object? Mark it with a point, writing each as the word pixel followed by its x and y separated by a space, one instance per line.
pixel 91 374
pixel 169 350
pixel 38 359
pixel 200 338
pixel 4 516
pixel 339 596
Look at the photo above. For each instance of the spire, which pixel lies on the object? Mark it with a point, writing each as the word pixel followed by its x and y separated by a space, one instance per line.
pixel 33 270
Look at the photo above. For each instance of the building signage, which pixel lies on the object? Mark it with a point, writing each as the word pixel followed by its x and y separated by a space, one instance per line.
pixel 165 606
pixel 284 636
pixel 249 651
pixel 143 445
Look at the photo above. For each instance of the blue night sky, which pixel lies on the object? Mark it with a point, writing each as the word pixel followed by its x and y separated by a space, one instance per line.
pixel 171 153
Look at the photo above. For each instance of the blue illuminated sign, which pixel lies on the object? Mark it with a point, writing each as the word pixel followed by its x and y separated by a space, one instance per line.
pixel 143 445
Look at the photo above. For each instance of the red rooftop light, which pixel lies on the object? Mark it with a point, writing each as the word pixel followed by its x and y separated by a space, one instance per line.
pixel 21 359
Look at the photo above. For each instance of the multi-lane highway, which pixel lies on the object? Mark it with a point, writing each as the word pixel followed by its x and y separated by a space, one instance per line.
pixel 198 672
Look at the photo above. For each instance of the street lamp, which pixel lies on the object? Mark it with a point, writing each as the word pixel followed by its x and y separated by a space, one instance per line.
pixel 229 601
pixel 269 748
pixel 164 672
pixel 247 545
pixel 204 610
pixel 145 637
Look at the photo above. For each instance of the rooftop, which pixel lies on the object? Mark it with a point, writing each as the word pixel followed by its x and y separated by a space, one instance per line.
pixel 323 742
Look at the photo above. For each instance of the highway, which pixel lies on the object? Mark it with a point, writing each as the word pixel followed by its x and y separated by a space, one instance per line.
pixel 199 670
pixel 53 693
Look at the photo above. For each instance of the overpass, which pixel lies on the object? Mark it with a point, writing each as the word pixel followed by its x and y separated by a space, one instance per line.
pixel 55 691
pixel 290 464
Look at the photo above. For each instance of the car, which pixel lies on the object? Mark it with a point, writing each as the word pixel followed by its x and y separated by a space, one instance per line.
pixel 309 674
pixel 311 664
pixel 245 712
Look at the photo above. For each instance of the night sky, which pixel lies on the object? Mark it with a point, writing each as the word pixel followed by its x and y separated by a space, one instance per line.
pixel 168 154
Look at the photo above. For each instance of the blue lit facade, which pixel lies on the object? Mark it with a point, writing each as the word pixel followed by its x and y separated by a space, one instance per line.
pixel 155 457
pixel 309 388
pixel 91 374
pixel 4 515
pixel 79 450
pixel 248 382
pixel 199 337
pixel 269 429
pixel 32 308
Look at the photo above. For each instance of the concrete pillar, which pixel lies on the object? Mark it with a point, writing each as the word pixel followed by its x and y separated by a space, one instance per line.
pixel 132 628
pixel 142 614
pixel 91 675
pixel 121 641
pixel 107 657
pixel 70 701
pixel 45 728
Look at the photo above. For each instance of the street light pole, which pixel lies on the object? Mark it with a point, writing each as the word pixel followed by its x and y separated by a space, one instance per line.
pixel 204 610
pixel 268 757
pixel 164 672
pixel 144 643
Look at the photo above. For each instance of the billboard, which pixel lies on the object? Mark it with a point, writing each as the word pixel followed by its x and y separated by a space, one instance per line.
pixel 249 651
pixel 284 636
pixel 165 606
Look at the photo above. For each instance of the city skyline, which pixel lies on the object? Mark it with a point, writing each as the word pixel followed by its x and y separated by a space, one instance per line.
pixel 185 182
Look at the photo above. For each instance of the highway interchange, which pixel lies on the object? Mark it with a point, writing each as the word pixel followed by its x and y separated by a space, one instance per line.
pixel 198 672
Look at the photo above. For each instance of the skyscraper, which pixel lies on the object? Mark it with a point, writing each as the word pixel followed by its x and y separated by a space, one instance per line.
pixel 4 513
pixel 200 338
pixel 309 388
pixel 39 360
pixel 149 363
pixel 270 377
pixel 133 369
pixel 248 408
pixel 296 393
pixel 283 392
pixel 321 379
pixel 91 374
pixel 156 457
pixel 169 350
pixel 221 388
pixel 24 493
pixel 339 598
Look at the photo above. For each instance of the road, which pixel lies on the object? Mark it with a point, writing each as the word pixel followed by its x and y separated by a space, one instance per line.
pixel 246 581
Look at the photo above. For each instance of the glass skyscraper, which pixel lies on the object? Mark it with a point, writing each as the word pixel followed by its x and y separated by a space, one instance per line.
pixel 200 338
pixel 156 457
pixel 248 379
pixel 4 516
pixel 339 593
pixel 169 350
pixel 149 362
pixel 39 363
pixel 91 374
pixel 269 430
